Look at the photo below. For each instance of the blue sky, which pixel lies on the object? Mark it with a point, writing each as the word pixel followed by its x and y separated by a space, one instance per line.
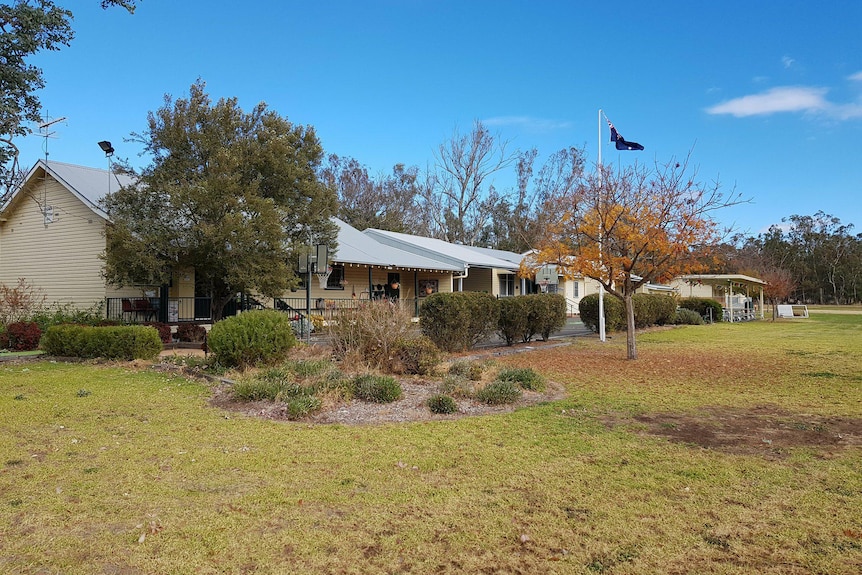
pixel 766 95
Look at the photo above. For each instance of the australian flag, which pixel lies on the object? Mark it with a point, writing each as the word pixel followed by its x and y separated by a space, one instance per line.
pixel 622 143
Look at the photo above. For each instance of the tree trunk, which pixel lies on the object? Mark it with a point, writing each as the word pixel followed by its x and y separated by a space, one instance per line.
pixel 631 343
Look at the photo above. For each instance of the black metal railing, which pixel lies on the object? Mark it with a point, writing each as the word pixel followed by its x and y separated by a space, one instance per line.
pixel 329 308
pixel 144 309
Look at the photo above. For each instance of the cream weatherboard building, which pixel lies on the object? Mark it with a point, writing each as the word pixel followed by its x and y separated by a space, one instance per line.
pixel 52 234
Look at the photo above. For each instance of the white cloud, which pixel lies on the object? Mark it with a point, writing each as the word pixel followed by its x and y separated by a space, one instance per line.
pixel 857 76
pixel 781 99
pixel 787 61
pixel 527 122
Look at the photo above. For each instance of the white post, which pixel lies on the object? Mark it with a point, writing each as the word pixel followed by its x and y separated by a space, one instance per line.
pixel 598 207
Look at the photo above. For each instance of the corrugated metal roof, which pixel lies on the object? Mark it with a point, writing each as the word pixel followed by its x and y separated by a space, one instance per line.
pixel 355 247
pixel 499 254
pixel 453 254
pixel 89 185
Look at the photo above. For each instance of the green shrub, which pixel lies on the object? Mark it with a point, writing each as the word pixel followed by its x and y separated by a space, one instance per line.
pixel 376 388
pixel 308 367
pixel 547 314
pixel 254 389
pixel 653 309
pixel 116 342
pixel 442 404
pixel 702 307
pixel 650 309
pixel 458 321
pixel 469 369
pixel 299 407
pixel 256 337
pixel 371 332
pixel 59 314
pixel 416 355
pixel 514 319
pixel 273 384
pixel 191 332
pixel 615 313
pixel 525 377
pixel 499 393
pixel 687 317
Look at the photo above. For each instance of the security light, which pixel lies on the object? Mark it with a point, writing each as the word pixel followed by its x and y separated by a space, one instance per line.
pixel 106 147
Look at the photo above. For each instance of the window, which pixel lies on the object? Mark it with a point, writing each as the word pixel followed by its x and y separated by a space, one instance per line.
pixel 507 285
pixel 575 288
pixel 336 278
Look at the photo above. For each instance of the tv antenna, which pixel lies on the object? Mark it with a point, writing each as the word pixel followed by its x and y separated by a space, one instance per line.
pixel 45 131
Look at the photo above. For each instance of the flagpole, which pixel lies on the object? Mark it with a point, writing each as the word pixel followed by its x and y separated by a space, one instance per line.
pixel 601 222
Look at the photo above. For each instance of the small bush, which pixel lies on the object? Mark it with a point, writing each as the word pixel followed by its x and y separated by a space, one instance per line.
pixel 416 355
pixel 59 314
pixel 119 342
pixel 650 309
pixel 301 406
pixel 20 302
pixel 615 313
pixel 525 377
pixel 457 386
pixel 653 309
pixel 702 306
pixel 376 388
pixel 308 367
pixel 371 332
pixel 442 404
pixel 256 337
pixel 687 317
pixel 499 393
pixel 21 336
pixel 546 314
pixel 467 369
pixel 164 330
pixel 514 319
pixel 191 332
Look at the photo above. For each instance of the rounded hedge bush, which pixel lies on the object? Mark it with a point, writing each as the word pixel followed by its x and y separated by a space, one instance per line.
pixel 615 312
pixel 702 306
pixel 417 356
pixel 687 317
pixel 110 342
pixel 376 388
pixel 499 393
pixel 525 377
pixel 257 337
pixel 442 404
pixel 458 321
pixel 514 319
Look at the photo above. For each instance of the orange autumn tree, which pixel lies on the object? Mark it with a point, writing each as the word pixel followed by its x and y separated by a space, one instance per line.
pixel 626 228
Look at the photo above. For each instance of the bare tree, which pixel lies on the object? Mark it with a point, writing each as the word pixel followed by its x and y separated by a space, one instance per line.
pixel 386 201
pixel 458 198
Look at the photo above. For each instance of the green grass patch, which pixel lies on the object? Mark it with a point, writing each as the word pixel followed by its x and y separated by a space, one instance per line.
pixel 143 475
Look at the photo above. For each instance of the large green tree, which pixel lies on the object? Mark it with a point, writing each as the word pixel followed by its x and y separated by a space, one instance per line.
pixel 232 194
pixel 28 27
